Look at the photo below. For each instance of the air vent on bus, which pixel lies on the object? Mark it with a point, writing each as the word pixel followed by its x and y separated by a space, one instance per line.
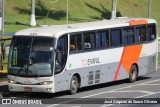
pixel 90 77
pixel 90 82
pixel 97 76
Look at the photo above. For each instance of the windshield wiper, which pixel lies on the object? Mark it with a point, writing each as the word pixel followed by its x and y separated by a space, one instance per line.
pixel 21 69
pixel 30 61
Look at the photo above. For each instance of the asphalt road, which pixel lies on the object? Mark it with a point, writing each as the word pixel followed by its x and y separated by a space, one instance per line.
pixel 99 96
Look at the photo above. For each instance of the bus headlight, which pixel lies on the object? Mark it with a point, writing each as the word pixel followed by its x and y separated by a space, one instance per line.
pixel 46 83
pixel 12 81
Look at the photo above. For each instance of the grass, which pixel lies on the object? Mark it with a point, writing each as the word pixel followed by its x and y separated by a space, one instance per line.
pixel 17 13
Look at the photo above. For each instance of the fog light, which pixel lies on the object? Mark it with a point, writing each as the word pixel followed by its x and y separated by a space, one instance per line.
pixel 46 83
pixel 12 82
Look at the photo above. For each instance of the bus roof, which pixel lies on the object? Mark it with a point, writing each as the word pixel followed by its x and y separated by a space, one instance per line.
pixel 57 30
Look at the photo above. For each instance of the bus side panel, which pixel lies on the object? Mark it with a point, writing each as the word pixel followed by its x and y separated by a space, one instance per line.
pixel 148 58
pixel 92 75
pixel 108 65
pixel 142 65
pixel 108 71
pixel 97 66
pixel 122 74
pixel 147 64
pixel 152 63
pixel 100 73
pixel 61 82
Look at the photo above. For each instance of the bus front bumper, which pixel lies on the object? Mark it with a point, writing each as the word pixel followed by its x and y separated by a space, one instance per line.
pixel 30 88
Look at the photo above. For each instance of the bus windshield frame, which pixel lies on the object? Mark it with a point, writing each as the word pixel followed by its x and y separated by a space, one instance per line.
pixel 31 56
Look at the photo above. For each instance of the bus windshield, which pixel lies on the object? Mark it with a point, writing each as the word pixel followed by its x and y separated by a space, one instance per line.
pixel 31 56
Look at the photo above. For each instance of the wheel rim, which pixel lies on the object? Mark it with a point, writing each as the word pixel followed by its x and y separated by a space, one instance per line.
pixel 133 74
pixel 74 85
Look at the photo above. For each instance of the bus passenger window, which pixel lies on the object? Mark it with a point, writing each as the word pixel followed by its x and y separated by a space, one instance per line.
pixel 72 43
pixel 75 42
pixel 151 32
pixel 128 36
pixel 116 37
pixel 89 40
pixel 102 39
pixel 137 35
pixel 79 42
pixel 141 34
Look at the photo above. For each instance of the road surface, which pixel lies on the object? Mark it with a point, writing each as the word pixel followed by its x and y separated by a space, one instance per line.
pixel 95 96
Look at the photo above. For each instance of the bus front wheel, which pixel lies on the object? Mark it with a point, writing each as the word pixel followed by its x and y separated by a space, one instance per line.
pixel 133 74
pixel 74 85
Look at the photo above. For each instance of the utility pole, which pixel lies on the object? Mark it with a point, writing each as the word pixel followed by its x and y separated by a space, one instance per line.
pixel 114 5
pixel 32 18
pixel 67 15
pixel 149 8
pixel 1 31
pixel 2 16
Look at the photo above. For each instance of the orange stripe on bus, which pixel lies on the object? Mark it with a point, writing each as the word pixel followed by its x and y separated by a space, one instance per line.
pixel 129 56
pixel 137 22
pixel 119 65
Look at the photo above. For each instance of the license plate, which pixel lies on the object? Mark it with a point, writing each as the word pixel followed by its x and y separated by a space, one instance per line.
pixel 27 89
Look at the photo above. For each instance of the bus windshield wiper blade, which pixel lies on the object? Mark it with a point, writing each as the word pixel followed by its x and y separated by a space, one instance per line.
pixel 20 70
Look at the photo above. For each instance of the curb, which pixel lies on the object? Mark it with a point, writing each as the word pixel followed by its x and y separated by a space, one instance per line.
pixel 3 83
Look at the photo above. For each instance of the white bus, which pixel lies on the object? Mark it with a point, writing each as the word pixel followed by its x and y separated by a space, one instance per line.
pixel 67 57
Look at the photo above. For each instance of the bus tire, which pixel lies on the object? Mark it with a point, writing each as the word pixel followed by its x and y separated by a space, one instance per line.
pixel 133 74
pixel 74 85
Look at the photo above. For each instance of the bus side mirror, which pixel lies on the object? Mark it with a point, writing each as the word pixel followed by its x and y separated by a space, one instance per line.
pixel 58 56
